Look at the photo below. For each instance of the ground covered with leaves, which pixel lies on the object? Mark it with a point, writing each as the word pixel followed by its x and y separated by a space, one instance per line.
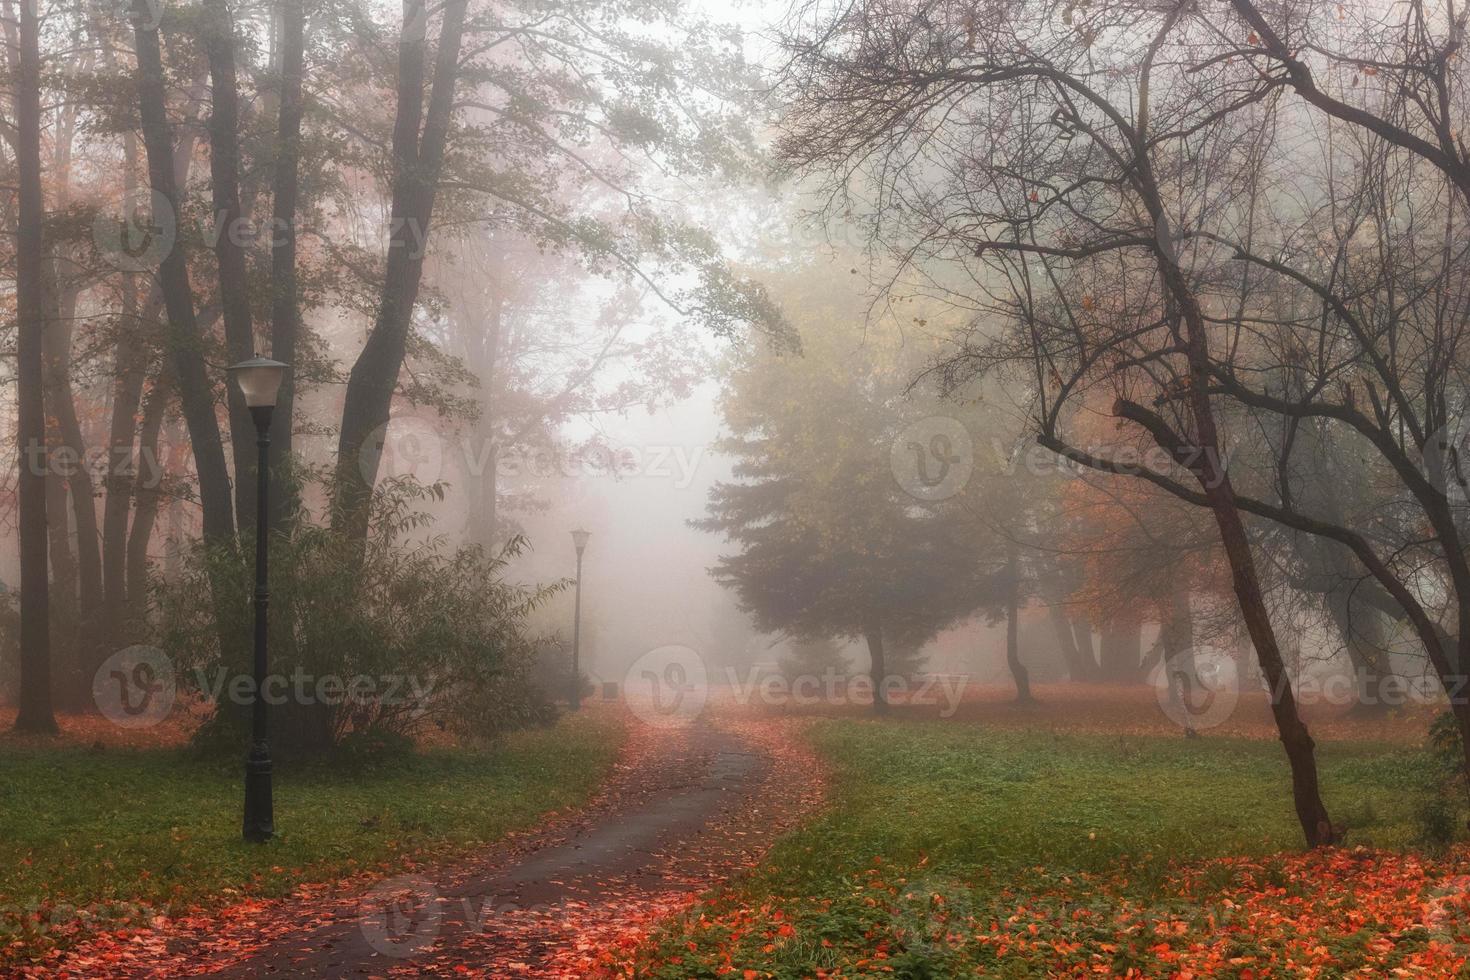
pixel 107 840
pixel 962 850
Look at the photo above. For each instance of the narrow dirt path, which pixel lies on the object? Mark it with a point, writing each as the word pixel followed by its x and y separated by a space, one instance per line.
pixel 688 806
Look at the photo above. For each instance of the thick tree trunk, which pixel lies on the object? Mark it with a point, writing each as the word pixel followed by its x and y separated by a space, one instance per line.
pixel 417 165
pixel 1013 615
pixel 877 669
pixel 229 248
pixel 35 714
pixel 66 641
pixel 285 307
pixel 71 465
pixel 131 370
pixel 185 339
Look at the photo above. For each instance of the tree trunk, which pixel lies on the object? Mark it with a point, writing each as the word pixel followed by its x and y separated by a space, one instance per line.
pixel 1206 461
pixel 72 468
pixel 147 492
pixel 130 367
pixel 1121 652
pixel 1300 749
pixel 285 311
pixel 131 371
pixel 229 252
pixel 1013 615
pixel 1176 637
pixel 35 714
pixel 1061 628
pixel 185 339
pixel 877 670
pixel 484 515
pixel 1086 650
pixel 65 615
pixel 417 165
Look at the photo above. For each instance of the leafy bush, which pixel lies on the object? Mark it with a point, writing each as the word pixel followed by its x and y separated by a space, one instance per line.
pixel 553 671
pixel 1440 813
pixel 374 640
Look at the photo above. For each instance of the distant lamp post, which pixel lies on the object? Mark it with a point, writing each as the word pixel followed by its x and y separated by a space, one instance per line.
pixel 579 539
pixel 260 381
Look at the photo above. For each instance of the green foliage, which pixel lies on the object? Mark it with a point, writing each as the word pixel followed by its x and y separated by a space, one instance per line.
pixel 1442 812
pixel 123 835
pixel 377 641
pixel 829 543
pixel 1446 748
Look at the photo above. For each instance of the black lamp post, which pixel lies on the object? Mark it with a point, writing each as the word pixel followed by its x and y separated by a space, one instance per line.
pixel 260 380
pixel 579 539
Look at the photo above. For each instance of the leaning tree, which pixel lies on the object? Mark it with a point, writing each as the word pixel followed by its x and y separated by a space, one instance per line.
pixel 1064 159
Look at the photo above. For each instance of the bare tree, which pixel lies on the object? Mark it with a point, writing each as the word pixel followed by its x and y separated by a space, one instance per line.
pixel 1003 135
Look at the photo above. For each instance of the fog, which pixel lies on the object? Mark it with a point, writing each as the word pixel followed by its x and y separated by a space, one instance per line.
pixel 562 488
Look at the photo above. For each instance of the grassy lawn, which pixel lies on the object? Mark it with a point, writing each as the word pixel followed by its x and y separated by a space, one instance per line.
pixel 961 850
pixel 125 833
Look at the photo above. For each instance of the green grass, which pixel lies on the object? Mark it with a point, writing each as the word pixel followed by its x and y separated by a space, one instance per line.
pixel 110 831
pixel 989 820
pixel 981 798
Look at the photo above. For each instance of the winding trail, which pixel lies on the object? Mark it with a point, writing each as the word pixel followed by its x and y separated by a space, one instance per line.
pixel 687 806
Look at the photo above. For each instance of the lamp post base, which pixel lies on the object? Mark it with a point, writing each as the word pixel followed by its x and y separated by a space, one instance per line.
pixel 260 825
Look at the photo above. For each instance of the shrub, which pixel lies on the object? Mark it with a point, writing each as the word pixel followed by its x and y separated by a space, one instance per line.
pixel 372 640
